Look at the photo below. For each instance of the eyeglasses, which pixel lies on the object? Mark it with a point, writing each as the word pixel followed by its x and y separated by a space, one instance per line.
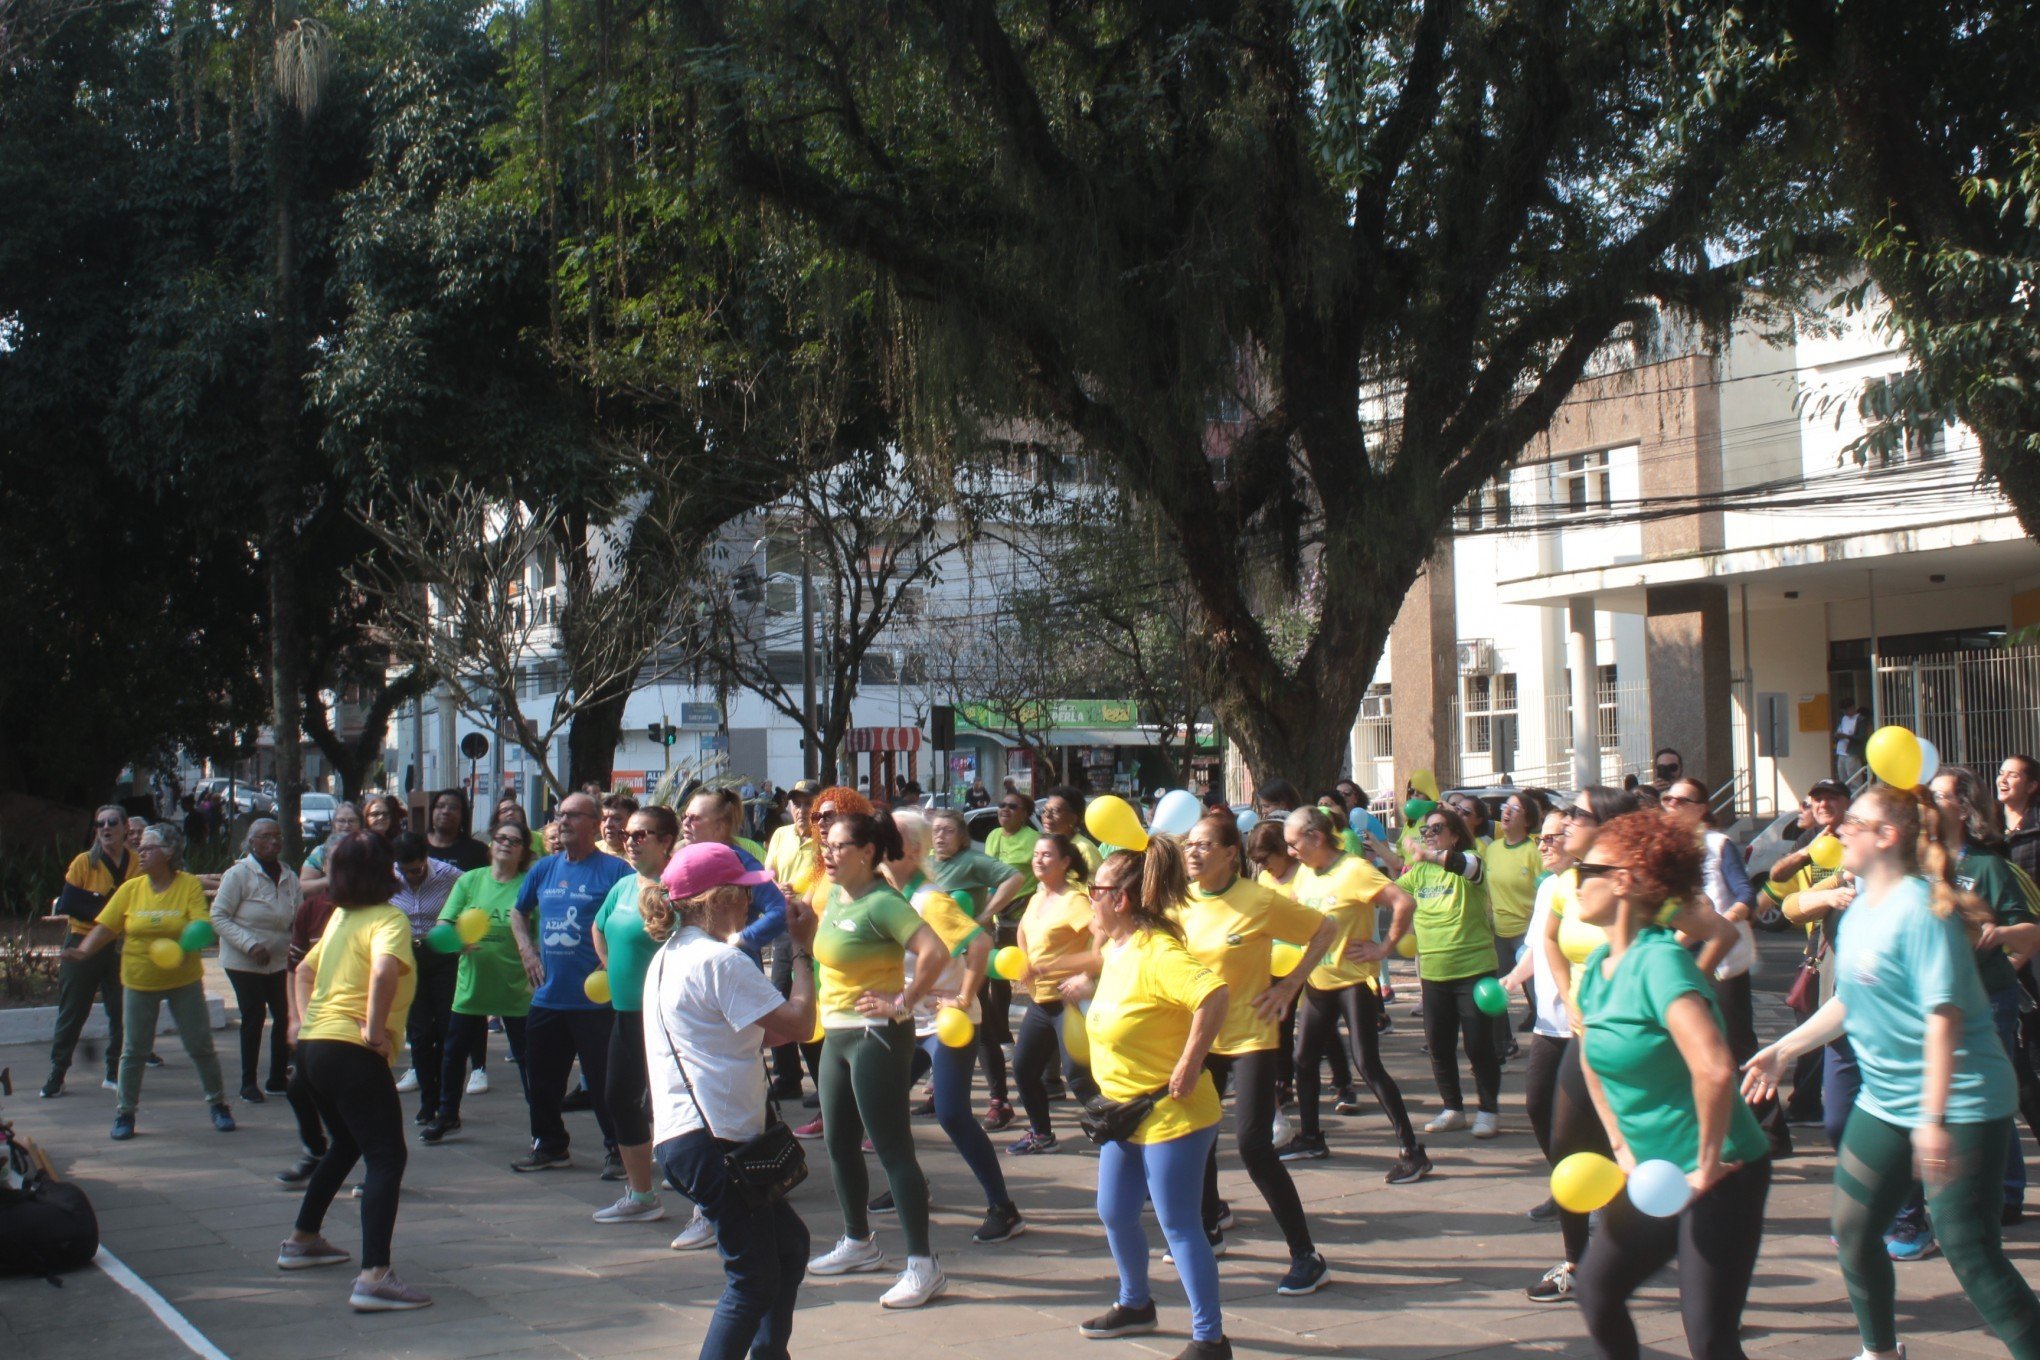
pixel 508 842
pixel 1097 888
pixel 1677 800
pixel 1587 871
pixel 563 815
pixel 1579 814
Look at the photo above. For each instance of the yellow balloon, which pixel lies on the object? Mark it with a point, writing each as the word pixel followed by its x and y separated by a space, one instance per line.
pixel 473 925
pixel 1407 945
pixel 597 987
pixel 166 953
pixel 1076 1035
pixel 1825 852
pixel 1585 1181
pixel 1283 960
pixel 1112 820
pixel 1894 756
pixel 1010 962
pixel 954 1028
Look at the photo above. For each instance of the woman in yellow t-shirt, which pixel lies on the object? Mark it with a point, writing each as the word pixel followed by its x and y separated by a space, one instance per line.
pixel 1268 852
pixel 354 990
pixel 1154 1016
pixel 1062 959
pixel 145 912
pixel 1230 925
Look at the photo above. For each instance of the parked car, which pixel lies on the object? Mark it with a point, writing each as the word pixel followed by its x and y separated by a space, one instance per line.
pixel 315 816
pixel 983 821
pixel 248 799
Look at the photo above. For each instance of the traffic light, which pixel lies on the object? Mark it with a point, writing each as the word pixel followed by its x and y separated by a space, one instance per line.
pixel 662 734
pixel 672 734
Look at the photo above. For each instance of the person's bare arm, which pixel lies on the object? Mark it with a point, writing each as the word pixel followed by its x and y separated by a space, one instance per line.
pixel 1282 992
pixel 794 1021
pixel 1204 1027
pixel 1616 1141
pixel 1933 1149
pixel 301 982
pixel 95 940
pixel 383 976
pixel 1002 897
pixel 1404 908
pixel 1766 1067
pixel 534 966
pixel 1699 1040
pixel 1697 920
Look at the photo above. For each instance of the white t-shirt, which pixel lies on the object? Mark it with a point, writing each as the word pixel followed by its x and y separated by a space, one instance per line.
pixel 1551 1018
pixel 707 997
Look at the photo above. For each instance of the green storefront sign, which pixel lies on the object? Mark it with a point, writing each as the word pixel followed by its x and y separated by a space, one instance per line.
pixel 1093 714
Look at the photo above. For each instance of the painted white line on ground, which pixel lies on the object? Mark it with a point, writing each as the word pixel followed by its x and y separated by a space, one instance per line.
pixel 178 1325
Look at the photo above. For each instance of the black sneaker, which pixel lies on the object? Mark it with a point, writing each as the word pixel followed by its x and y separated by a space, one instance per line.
pixel 53 1088
pixel 786 1090
pixel 538 1159
pixel 924 1110
pixel 1304 1148
pixel 1348 1102
pixel 1224 1223
pixel 612 1166
pixel 1384 1024
pixel 153 1061
pixel 1544 1213
pixel 253 1094
pixel 2012 1216
pixel 437 1130
pixel 1410 1168
pixel 1220 1349
pixel 811 1101
pixel 423 1117
pixel 277 1086
pixel 1555 1287
pixel 1005 1222
pixel 883 1204
pixel 577 1099
pixel 299 1171
pixel 1214 1237
pixel 1307 1275
pixel 1119 1320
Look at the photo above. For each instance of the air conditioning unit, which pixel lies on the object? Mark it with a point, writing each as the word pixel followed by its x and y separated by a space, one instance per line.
pixel 1476 656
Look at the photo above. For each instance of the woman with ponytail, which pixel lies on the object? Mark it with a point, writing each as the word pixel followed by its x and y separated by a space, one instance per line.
pixel 1938 1095
pixel 831 803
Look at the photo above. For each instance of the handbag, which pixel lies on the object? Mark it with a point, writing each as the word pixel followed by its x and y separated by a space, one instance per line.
pixel 763 1169
pixel 1114 1121
pixel 1804 994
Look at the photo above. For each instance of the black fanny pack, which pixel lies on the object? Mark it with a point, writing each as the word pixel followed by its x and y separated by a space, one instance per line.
pixel 1114 1121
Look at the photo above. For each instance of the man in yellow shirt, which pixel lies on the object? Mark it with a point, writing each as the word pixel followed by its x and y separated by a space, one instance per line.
pixel 88 883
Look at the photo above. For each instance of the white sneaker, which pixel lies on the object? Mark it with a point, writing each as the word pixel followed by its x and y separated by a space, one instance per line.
pixel 1486 1124
pixel 478 1082
pixel 921 1281
pixel 1446 1121
pixel 628 1210
pixel 698 1233
pixel 409 1081
pixel 848 1255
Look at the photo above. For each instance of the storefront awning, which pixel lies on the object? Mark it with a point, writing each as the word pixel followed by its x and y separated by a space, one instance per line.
pixel 864 739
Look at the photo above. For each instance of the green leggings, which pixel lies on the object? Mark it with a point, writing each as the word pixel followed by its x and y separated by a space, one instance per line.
pixel 865 1077
pixel 1873 1176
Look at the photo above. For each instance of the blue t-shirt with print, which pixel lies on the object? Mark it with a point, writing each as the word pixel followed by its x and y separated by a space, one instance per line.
pixel 559 899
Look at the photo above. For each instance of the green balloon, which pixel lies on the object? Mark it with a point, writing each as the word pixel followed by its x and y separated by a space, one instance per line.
pixel 1489 996
pixel 443 938
pixel 198 935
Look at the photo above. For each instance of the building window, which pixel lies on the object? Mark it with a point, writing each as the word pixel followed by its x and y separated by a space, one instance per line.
pixel 1488 507
pixel 1607 708
pixel 1581 483
pixel 1898 430
pixel 785 667
pixel 1487 703
pixel 1377 724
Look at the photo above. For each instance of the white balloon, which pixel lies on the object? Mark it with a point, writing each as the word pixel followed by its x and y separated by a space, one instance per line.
pixel 1930 760
pixel 1176 813
pixel 1248 820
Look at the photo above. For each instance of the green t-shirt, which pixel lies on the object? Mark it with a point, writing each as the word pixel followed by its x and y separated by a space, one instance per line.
pixel 491 980
pixel 630 949
pixel 1649 1087
pixel 1017 850
pixel 1454 936
pixel 1511 872
pixel 971 877
pixel 1992 878
pixel 860 945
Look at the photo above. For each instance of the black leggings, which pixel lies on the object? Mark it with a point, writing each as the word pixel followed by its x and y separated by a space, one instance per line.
pixel 1575 1126
pixel 629 1080
pixel 357 1096
pixel 1716 1240
pixel 1317 1035
pixel 431 1016
pixel 255 994
pixel 1039 1041
pixel 1254 1135
pixel 467 1040
pixel 1449 1016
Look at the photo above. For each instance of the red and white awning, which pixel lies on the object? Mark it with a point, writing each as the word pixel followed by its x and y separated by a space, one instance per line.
pixel 863 739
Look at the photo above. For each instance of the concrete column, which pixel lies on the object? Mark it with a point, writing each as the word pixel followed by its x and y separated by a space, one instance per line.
pixel 1687 657
pixel 1580 659
pixel 1424 673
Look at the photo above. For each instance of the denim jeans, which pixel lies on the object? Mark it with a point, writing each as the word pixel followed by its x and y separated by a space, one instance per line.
pixel 764 1251
pixel 1172 1175
pixel 953 1068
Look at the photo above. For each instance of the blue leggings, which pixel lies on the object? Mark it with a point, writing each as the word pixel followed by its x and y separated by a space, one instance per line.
pixel 1172 1175
pixel 953 1068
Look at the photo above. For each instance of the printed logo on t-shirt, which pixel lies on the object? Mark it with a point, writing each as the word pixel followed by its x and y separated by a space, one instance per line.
pixel 847 925
pixel 565 933
pixel 1866 969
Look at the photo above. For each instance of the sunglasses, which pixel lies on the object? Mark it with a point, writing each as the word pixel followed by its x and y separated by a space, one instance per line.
pixel 1587 871
pixel 113 826
pixel 1011 807
pixel 639 835
pixel 1553 839
pixel 1434 830
pixel 1578 814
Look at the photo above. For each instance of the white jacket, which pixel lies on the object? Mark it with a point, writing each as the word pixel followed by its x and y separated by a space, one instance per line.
pixel 249 910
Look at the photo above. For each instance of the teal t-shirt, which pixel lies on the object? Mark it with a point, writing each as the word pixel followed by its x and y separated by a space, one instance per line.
pixel 1648 1084
pixel 630 949
pixel 1894 964
pixel 1455 938
pixel 970 876
pixel 1991 878
pixel 491 979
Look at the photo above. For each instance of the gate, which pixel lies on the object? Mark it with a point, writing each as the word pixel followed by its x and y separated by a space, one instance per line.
pixel 1977 707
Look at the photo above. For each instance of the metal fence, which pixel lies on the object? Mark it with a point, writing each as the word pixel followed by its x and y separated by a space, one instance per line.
pixel 1977 707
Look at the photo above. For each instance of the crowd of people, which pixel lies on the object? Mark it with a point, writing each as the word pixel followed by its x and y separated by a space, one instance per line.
pixel 699 981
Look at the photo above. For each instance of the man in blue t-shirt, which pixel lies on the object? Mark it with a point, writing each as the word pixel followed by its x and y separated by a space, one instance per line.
pixel 558 903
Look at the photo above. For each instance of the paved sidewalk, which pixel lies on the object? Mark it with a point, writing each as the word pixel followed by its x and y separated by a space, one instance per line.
pixel 517 1267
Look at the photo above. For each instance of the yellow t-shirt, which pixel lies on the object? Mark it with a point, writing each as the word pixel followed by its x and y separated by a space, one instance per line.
pixel 341 962
pixel 1233 933
pixel 89 874
pixel 791 859
pixel 860 944
pixel 1344 891
pixel 1139 1024
pixel 956 928
pixel 1274 884
pixel 141 916
pixel 1051 931
pixel 1093 856
pixel 1511 872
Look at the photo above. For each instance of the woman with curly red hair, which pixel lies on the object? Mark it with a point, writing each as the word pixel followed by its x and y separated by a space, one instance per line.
pixel 1657 1065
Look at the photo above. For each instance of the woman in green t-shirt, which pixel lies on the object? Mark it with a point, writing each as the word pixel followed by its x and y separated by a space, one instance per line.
pixel 1455 950
pixel 492 978
pixel 1658 1068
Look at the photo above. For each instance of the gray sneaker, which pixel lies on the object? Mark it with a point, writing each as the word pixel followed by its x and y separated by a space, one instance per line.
pixel 628 1210
pixel 388 1295
pixel 295 1255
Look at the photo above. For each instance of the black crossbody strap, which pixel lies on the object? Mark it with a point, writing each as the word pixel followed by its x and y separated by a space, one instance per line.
pixel 659 962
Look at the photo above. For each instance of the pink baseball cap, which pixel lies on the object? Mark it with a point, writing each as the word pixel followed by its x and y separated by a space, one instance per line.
pixel 697 868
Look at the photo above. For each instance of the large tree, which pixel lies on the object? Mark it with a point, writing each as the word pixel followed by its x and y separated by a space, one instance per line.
pixel 1305 274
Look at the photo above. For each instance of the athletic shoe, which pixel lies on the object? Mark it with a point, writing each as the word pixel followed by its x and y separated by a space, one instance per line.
pixel 538 1159
pixel 811 1129
pixel 1446 1121
pixel 294 1255
pixel 577 1100
pixel 924 1110
pixel 153 1061
pixel 1304 1148
pixel 920 1282
pixel 1410 1168
pixel 478 1082
pixel 495 1024
pixel 1515 1050
pixel 1865 1355
pixel 998 1116
pixel 1555 1287
pixel 2013 1216
pixel 277 1086
pixel 53 1088
pixel 357 1191
pixel 1217 1240
pixel 612 1166
pixel 437 1130
pixel 629 1210
pixel 1031 1142
pixel 299 1171
pixel 253 1094
pixel 1911 1244
pixel 1119 1320
pixel 424 1116
pixel 1546 1212
pixel 864 1145
pixel 1000 1224
pixel 1056 1088
pixel 1348 1102
pixel 222 1117
pixel 882 1205
pixel 1385 1023
pixel 109 1084
pixel 1486 1123
pixel 698 1233
pixel 1220 1349
pixel 847 1256
pixel 1307 1275
pixel 811 1101
pixel 409 1081
pixel 387 1295
pixel 1224 1223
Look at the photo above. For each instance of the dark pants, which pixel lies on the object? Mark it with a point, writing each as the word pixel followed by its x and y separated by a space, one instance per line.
pixel 1449 1017
pixel 628 1083
pixel 305 1109
pixel 1840 1081
pixel 1715 1240
pixel 764 1250
pixel 1253 1077
pixel 467 1038
pixel 431 1014
pixel 786 1058
pixel 1575 1127
pixel 1317 1035
pixel 357 1097
pixel 552 1040
pixel 256 993
pixel 1738 1014
pixel 78 985
pixel 1039 1042
pixel 997 1029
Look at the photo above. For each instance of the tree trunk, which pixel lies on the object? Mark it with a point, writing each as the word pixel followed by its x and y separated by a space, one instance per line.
pixel 592 740
pixel 352 760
